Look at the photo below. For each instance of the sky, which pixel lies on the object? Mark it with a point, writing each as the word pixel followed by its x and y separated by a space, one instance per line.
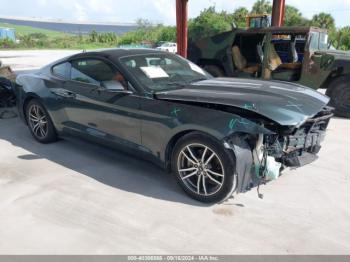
pixel 158 11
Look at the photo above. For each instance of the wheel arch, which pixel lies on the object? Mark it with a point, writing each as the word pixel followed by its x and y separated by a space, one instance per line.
pixel 175 138
pixel 331 79
pixel 336 72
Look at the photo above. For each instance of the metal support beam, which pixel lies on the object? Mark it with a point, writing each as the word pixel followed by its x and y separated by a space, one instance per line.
pixel 278 10
pixel 181 26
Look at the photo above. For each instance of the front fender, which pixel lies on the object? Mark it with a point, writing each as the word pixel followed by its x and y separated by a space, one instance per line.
pixel 219 124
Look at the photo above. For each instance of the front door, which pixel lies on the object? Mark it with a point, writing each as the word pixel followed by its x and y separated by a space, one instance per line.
pixel 99 106
pixel 315 66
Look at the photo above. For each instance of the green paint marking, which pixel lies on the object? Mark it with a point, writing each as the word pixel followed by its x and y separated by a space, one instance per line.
pixel 175 111
pixel 234 121
pixel 249 106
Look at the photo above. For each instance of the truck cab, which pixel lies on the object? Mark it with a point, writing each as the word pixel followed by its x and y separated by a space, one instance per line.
pixel 292 54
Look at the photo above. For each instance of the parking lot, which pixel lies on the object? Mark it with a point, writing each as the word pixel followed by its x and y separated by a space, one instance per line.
pixel 78 198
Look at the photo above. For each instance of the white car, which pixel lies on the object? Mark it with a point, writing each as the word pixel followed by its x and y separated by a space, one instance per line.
pixel 168 47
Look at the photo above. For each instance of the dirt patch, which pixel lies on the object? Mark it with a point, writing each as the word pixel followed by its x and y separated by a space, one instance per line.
pixel 223 211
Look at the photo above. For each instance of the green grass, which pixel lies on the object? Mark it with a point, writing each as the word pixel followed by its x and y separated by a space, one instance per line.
pixel 26 30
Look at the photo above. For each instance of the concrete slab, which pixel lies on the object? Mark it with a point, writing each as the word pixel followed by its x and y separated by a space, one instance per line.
pixel 78 198
pixel 32 59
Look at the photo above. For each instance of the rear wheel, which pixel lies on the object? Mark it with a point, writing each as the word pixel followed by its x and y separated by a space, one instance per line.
pixel 203 168
pixel 214 70
pixel 39 122
pixel 339 92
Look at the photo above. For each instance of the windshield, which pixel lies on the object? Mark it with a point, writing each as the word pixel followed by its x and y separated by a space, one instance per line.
pixel 163 71
pixel 319 41
pixel 323 42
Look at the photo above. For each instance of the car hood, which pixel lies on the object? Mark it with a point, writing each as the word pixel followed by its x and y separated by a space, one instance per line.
pixel 285 103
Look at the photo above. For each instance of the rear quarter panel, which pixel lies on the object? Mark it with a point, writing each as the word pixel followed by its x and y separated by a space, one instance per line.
pixel 36 86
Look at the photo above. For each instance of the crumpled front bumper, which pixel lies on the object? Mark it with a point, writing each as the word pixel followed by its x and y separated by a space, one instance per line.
pixel 302 147
pixel 294 150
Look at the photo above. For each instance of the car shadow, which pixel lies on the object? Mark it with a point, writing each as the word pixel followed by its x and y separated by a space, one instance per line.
pixel 107 166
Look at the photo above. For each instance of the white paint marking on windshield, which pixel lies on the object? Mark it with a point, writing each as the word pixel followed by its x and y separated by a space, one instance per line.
pixel 154 72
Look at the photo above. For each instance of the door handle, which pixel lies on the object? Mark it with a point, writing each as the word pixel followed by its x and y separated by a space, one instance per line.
pixel 64 93
pixel 69 94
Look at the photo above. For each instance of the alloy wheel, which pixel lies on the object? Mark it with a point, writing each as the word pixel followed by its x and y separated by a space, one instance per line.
pixel 200 169
pixel 38 121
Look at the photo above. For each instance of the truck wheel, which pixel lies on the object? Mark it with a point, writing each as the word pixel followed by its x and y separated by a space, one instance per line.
pixel 339 92
pixel 214 70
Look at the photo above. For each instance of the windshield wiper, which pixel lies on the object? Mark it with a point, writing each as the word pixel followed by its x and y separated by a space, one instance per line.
pixel 184 83
pixel 176 84
pixel 197 80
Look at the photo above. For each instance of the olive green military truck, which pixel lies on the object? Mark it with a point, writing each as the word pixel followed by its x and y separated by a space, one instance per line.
pixel 295 54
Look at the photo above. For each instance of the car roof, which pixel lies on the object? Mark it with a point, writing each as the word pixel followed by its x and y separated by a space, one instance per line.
pixel 116 52
pixel 111 53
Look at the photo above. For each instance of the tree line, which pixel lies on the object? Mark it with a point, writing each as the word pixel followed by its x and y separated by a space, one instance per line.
pixel 209 22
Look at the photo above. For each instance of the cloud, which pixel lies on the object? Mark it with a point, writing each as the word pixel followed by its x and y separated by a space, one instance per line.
pixel 104 7
pixel 80 12
pixel 41 2
pixel 163 11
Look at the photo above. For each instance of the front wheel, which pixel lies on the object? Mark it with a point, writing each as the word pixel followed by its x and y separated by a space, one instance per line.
pixel 339 92
pixel 203 168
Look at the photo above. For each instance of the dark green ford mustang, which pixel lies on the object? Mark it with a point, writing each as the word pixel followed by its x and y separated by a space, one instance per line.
pixel 216 135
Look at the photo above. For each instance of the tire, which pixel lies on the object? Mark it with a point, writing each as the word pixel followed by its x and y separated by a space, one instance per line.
pixel 200 179
pixel 40 123
pixel 339 92
pixel 214 70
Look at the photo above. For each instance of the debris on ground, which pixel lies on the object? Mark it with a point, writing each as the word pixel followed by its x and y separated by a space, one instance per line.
pixel 7 94
pixel 7 114
pixel 6 71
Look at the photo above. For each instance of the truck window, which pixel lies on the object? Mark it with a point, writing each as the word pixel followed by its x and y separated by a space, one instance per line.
pixel 314 37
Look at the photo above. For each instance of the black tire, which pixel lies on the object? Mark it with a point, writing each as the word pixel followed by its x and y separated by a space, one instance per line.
pixel 49 135
pixel 339 92
pixel 214 70
pixel 222 163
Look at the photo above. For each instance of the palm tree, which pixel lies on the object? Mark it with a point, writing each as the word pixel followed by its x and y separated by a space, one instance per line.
pixel 323 20
pixel 239 16
pixel 261 7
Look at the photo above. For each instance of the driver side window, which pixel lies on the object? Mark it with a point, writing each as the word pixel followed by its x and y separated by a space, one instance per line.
pixel 96 72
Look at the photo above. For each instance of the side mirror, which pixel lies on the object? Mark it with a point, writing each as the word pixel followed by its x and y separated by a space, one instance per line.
pixel 112 86
pixel 118 91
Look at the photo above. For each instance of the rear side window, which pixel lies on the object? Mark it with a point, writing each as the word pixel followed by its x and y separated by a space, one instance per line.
pixel 91 71
pixel 62 70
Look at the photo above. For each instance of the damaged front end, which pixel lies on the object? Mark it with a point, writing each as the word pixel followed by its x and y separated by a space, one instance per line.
pixel 261 158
